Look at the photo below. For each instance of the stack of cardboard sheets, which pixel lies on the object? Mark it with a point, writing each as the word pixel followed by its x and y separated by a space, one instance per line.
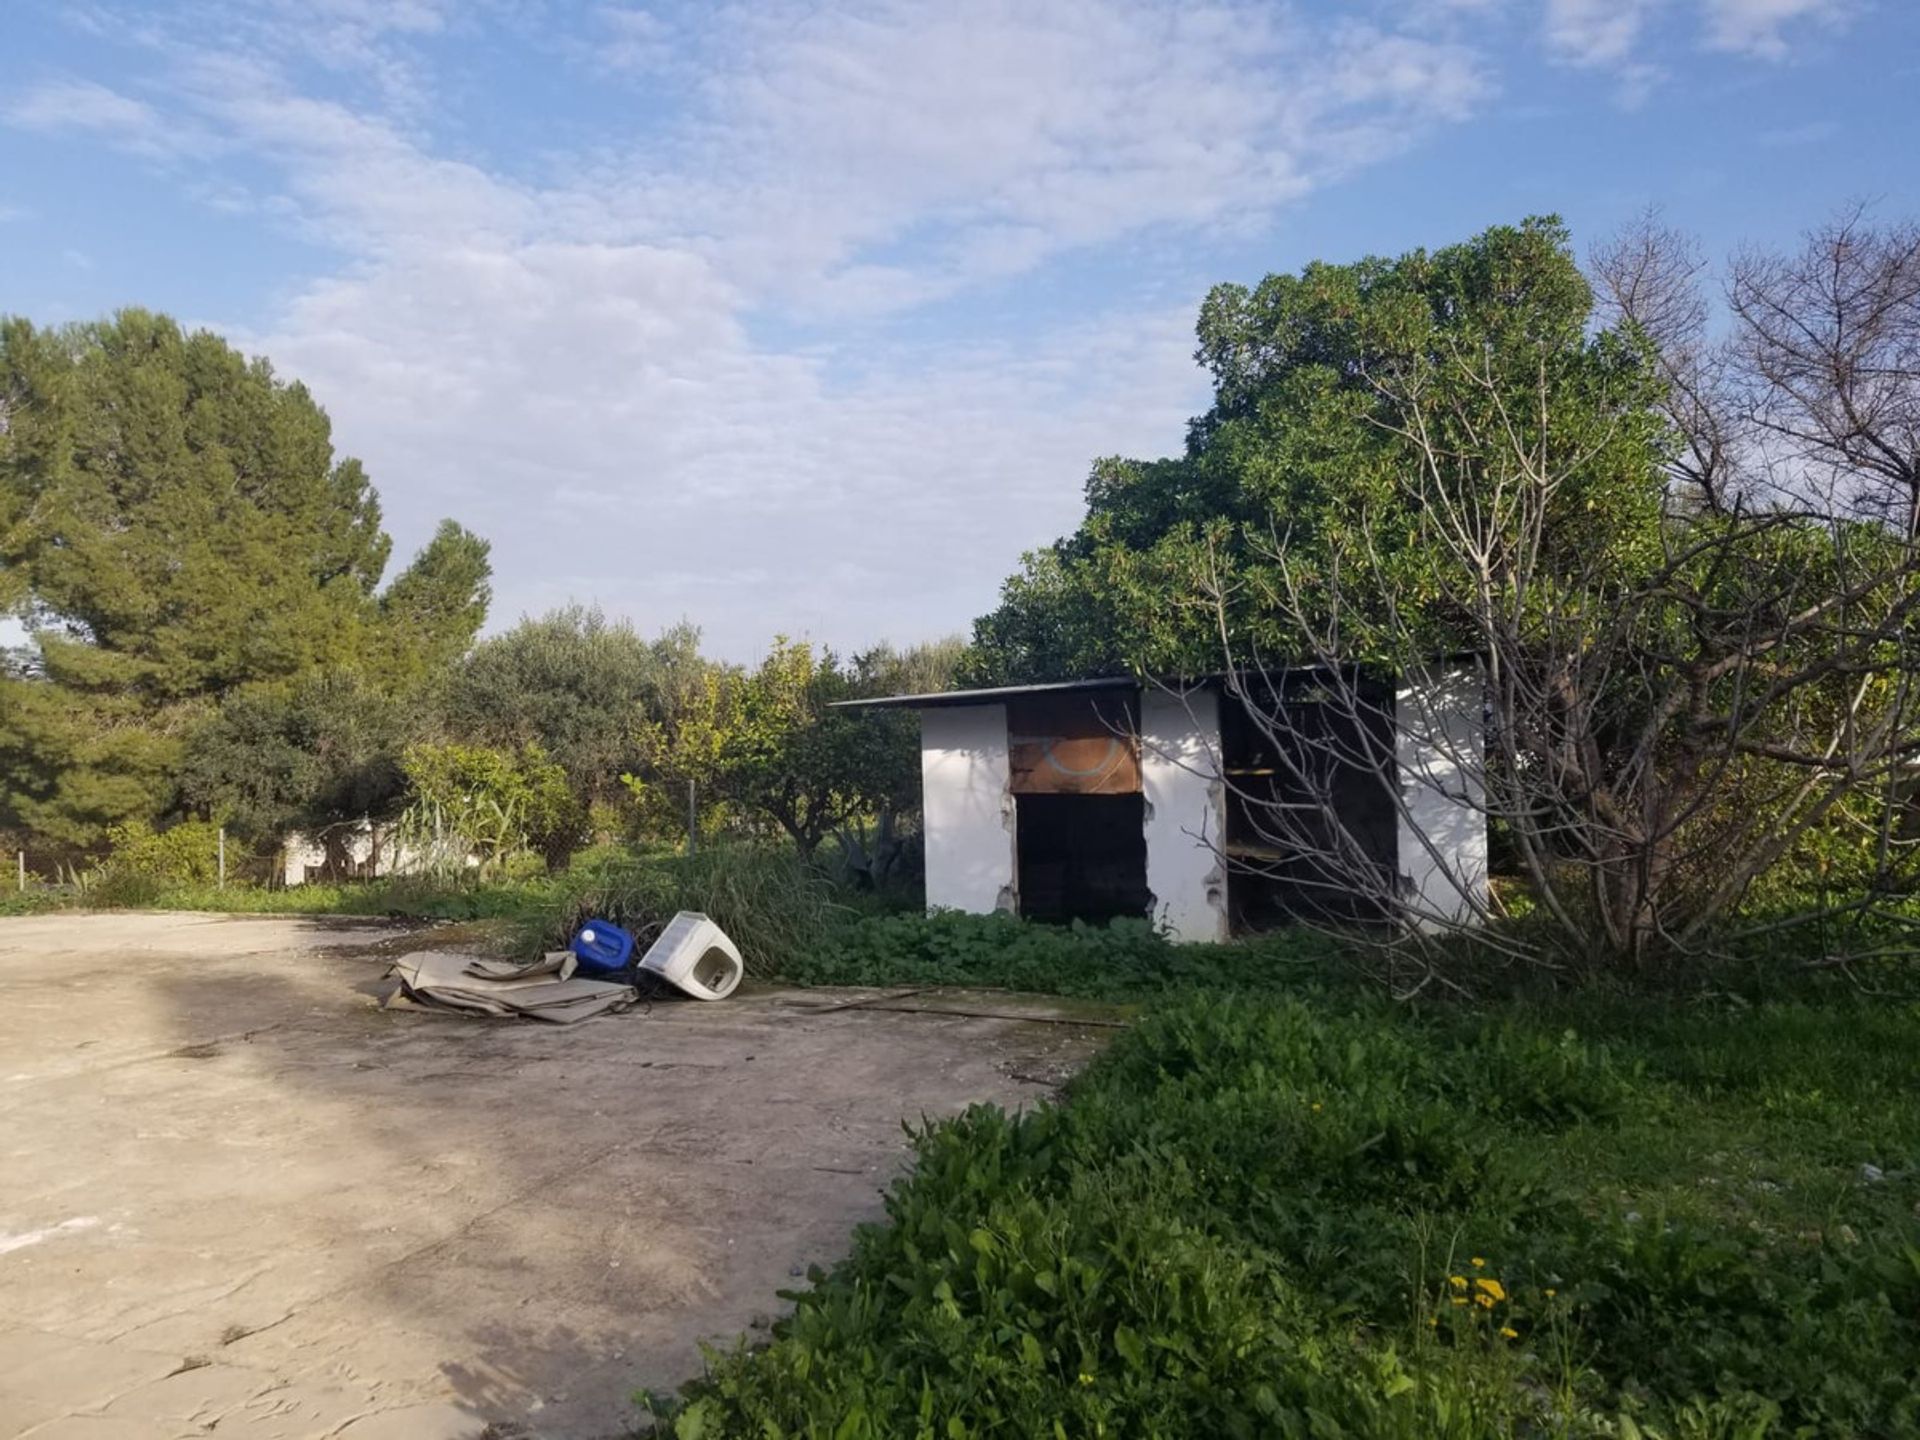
pixel 545 990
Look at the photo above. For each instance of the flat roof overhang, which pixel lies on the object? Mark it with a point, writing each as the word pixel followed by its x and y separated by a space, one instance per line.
pixel 941 699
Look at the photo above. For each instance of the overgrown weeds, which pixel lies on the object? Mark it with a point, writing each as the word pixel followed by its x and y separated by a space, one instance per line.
pixel 775 905
pixel 1261 1215
pixel 1122 960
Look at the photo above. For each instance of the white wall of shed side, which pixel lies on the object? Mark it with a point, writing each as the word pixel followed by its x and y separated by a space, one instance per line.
pixel 1180 778
pixel 969 811
pixel 1442 841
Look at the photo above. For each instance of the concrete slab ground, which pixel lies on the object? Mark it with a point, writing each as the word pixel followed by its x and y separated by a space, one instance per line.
pixel 237 1198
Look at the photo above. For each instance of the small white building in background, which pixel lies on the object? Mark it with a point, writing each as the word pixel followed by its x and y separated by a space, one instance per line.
pixel 1100 798
pixel 372 850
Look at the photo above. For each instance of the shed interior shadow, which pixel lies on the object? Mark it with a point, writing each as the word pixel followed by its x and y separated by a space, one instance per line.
pixel 1082 857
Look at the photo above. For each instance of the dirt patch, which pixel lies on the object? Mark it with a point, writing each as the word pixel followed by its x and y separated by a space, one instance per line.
pixel 233 1190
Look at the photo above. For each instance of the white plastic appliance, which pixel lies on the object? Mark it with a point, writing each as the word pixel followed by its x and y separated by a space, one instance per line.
pixel 694 955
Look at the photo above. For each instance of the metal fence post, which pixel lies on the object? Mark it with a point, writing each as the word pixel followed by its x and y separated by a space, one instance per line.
pixel 23 872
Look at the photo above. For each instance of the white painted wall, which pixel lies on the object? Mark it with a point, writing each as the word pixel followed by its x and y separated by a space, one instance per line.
pixel 969 808
pixel 304 857
pixel 1442 851
pixel 1180 778
pixel 302 854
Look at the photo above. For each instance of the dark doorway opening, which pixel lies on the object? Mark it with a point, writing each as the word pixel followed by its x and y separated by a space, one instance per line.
pixel 1082 857
pixel 1311 820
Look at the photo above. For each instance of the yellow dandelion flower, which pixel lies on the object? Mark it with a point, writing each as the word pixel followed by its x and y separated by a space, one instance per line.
pixel 1491 1287
pixel 1551 1292
pixel 1478 1263
pixel 1509 1332
pixel 1485 1302
pixel 1459 1299
pixel 1433 1319
pixel 1316 1107
pixel 1458 1282
pixel 1085 1378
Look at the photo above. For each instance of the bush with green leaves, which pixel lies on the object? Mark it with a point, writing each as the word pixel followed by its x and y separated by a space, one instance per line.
pixel 1268 1216
pixel 141 862
pixel 482 804
pixel 183 854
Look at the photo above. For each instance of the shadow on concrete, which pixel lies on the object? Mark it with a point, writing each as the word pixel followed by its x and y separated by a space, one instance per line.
pixel 536 1220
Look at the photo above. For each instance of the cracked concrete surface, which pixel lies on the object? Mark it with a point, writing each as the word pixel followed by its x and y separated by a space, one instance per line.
pixel 236 1198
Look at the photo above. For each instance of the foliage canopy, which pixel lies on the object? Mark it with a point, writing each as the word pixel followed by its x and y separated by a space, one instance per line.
pixel 1306 449
pixel 178 534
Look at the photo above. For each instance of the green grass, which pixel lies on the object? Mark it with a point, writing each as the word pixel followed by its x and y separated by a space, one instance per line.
pixel 527 901
pixel 1124 961
pixel 1247 1218
pixel 775 906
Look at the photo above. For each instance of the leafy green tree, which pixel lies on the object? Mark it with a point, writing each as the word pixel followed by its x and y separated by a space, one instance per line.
pixel 581 686
pixel 13 498
pixel 183 507
pixel 1054 620
pixel 74 761
pixel 769 744
pixel 922 669
pixel 320 755
pixel 1305 447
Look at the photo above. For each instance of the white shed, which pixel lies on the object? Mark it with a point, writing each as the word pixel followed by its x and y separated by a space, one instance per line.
pixel 1193 805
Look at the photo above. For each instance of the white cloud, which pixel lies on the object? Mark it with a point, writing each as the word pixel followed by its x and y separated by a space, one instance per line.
pixel 600 413
pixel 368 45
pixel 81 105
pixel 1017 132
pixel 566 359
pixel 354 180
pixel 1613 35
pixel 1760 27
pixel 631 39
pixel 1595 32
pixel 1605 35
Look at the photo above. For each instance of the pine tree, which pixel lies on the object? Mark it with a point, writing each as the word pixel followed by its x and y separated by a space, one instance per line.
pixel 175 527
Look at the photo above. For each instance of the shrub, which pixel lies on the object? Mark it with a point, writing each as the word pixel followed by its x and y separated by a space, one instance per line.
pixel 476 802
pixel 142 862
pixel 1261 1215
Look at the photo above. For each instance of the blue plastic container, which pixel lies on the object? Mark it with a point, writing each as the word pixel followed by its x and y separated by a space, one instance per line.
pixel 602 947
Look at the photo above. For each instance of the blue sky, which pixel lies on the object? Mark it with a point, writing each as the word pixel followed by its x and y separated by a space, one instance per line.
pixel 809 316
